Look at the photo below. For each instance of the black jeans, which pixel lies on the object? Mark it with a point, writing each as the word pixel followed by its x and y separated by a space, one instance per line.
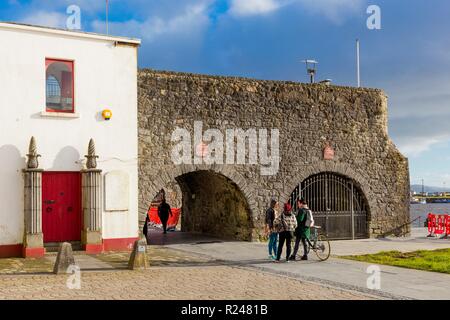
pixel 297 245
pixel 285 236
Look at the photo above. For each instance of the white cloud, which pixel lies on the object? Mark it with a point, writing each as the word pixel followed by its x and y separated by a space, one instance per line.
pixel 88 6
pixel 190 22
pixel 415 146
pixel 334 10
pixel 45 18
pixel 253 7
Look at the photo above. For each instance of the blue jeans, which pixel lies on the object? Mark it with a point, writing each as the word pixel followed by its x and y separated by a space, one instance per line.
pixel 273 239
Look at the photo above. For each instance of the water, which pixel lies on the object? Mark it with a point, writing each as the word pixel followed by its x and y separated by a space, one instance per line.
pixel 422 211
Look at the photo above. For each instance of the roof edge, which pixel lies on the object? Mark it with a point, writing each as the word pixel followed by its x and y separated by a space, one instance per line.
pixel 69 33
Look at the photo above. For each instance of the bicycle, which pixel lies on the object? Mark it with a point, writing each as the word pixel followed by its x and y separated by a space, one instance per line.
pixel 319 243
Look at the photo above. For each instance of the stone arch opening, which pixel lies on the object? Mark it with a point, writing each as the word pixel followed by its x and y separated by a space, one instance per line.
pixel 339 205
pixel 213 204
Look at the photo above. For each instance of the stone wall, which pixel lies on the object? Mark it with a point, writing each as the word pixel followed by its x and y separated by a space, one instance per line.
pixel 352 120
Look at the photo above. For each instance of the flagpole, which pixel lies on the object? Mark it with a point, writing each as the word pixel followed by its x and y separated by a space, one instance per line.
pixel 358 71
pixel 107 9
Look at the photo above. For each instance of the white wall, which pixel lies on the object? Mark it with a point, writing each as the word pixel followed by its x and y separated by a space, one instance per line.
pixel 105 77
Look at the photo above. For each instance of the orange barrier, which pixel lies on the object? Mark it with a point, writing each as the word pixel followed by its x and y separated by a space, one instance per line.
pixel 438 224
pixel 430 223
pixel 447 225
pixel 171 223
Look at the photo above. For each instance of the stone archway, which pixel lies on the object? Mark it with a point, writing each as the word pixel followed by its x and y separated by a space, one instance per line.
pixel 343 170
pixel 339 205
pixel 214 205
pixel 336 167
pixel 228 187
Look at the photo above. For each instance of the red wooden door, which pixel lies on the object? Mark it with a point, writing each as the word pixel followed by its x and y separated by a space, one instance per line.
pixel 61 206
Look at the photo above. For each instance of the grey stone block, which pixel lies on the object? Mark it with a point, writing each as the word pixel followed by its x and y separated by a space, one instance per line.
pixel 138 258
pixel 64 259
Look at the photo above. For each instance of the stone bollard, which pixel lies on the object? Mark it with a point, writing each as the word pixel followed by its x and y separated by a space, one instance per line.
pixel 64 259
pixel 138 258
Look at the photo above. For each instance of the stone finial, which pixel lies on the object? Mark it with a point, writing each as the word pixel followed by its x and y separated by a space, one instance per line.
pixel 91 156
pixel 32 155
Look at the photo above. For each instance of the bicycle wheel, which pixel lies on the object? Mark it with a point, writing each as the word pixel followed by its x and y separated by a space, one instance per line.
pixel 322 248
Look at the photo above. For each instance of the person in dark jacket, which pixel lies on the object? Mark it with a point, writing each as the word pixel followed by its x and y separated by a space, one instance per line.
pixel 145 229
pixel 285 225
pixel 302 232
pixel 270 229
pixel 163 212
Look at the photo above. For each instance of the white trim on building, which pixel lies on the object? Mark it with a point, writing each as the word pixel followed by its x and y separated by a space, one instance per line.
pixel 68 33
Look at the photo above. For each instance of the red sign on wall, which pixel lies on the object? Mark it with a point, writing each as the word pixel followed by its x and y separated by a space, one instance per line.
pixel 328 153
pixel 202 150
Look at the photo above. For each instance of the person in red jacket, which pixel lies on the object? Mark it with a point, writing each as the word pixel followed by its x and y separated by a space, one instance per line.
pixel 286 225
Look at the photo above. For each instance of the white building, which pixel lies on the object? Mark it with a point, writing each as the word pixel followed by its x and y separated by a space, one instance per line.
pixel 55 86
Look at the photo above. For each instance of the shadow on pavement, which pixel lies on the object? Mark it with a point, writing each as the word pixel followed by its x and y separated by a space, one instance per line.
pixel 156 237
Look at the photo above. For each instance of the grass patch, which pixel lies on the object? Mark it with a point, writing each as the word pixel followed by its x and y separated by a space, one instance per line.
pixel 435 260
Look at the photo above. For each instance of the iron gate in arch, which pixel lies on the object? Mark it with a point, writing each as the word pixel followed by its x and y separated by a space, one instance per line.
pixel 338 205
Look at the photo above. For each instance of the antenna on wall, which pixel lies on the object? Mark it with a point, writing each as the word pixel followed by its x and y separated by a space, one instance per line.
pixel 358 71
pixel 107 13
pixel 311 68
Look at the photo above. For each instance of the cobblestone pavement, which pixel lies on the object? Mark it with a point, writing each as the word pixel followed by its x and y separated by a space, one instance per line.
pixel 174 275
pixel 24 266
pixel 160 256
pixel 172 283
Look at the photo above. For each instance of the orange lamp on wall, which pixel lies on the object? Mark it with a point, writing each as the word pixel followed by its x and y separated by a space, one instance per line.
pixel 107 114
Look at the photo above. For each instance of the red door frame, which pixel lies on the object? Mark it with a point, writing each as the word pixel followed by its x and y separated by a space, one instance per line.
pixel 74 226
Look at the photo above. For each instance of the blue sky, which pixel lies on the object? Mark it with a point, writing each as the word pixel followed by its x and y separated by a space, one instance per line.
pixel 409 57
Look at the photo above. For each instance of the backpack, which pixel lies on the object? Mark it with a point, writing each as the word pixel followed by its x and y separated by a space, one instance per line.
pixel 285 226
pixel 309 219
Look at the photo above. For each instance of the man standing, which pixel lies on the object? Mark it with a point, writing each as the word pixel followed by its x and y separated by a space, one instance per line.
pixel 270 230
pixel 163 212
pixel 302 232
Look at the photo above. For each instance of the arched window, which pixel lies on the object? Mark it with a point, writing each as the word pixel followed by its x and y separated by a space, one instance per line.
pixel 59 86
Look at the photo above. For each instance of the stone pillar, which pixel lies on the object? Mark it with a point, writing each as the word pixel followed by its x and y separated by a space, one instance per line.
pixel 33 242
pixel 92 204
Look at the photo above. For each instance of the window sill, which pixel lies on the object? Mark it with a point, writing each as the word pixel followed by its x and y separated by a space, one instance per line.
pixel 65 115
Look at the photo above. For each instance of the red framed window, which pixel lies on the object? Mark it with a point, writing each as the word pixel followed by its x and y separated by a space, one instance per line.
pixel 59 85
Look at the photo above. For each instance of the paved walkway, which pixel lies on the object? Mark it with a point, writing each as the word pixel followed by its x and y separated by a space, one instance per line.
pixel 187 266
pixel 174 275
pixel 395 282
pixel 169 283
pixel 86 262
